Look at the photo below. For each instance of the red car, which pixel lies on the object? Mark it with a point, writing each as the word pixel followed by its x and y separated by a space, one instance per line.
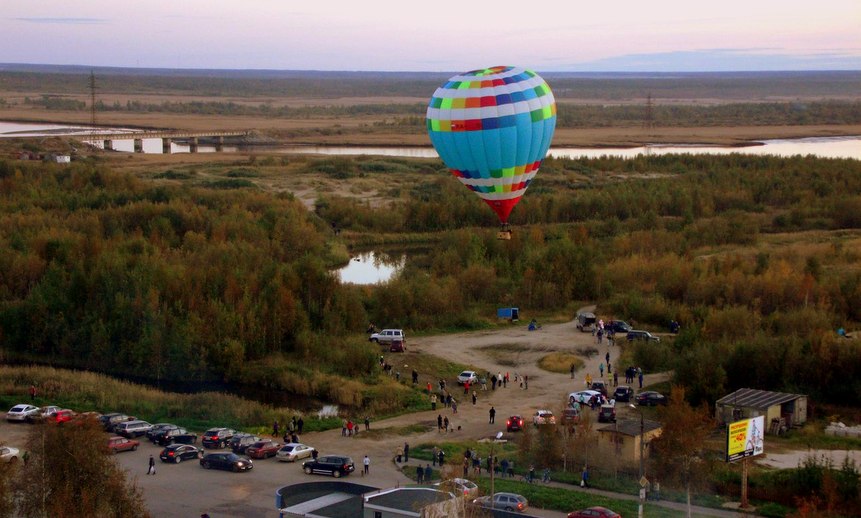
pixel 117 444
pixel 63 416
pixel 263 449
pixel 594 512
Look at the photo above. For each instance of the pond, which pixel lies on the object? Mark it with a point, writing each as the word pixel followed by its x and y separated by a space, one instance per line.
pixel 371 267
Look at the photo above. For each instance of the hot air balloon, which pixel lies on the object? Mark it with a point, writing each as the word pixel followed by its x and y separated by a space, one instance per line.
pixel 492 128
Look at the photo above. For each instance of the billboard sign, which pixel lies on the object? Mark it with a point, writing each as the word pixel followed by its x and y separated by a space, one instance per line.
pixel 745 438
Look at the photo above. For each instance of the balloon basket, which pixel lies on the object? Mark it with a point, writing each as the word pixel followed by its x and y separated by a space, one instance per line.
pixel 504 235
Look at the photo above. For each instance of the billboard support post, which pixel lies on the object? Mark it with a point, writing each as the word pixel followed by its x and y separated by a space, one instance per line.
pixel 745 463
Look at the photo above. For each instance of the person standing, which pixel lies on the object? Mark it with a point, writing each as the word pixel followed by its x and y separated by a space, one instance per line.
pixel 406 452
pixel 584 482
pixel 492 415
pixel 616 379
pixel 151 469
pixel 607 357
pixel 474 398
pixel 275 429
pixel 32 392
pixel 441 458
pixel 439 422
pixel 367 463
pixel 428 474
pixel 435 455
pixel 572 371
pixel 445 423
pixel 526 382
pixel 429 387
pixel 300 424
pixel 420 474
pixel 453 406
pixel 640 376
pixel 601 369
pixel 433 401
pixel 367 423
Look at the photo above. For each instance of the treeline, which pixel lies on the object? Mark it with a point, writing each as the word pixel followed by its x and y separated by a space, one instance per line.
pixel 103 271
pixel 569 115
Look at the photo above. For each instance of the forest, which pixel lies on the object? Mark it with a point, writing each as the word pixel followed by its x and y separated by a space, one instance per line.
pixel 756 257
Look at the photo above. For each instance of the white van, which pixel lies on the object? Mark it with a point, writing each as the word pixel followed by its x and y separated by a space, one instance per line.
pixel 131 429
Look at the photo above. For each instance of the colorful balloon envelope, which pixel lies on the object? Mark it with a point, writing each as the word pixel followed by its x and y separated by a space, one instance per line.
pixel 492 128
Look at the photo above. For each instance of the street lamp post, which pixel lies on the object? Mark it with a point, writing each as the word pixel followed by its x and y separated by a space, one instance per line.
pixel 642 444
pixel 493 468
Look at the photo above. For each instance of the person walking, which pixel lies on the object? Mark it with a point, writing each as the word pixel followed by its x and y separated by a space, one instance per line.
pixel 640 376
pixel 492 413
pixel 616 379
pixel 433 401
pixel 435 455
pixel 474 398
pixel 275 429
pixel 367 463
pixel 572 371
pixel 453 406
pixel 607 357
pixel 445 423
pixel 531 476
pixel 584 481
pixel 151 469
pixel 420 474
pixel 439 423
pixel 601 369
pixel 406 452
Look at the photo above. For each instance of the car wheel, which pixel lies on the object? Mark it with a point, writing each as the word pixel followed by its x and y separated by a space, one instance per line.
pixel 307 470
pixel 205 465
pixel 336 474
pixel 135 447
pixel 177 460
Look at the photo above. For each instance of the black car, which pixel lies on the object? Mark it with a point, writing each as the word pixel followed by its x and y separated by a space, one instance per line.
pixel 179 452
pixel 514 423
pixel 623 393
pixel 618 326
pixel 157 429
pixel 217 437
pixel 176 436
pixel 227 461
pixel 335 465
pixel 108 421
pixel 645 336
pixel 651 398
pixel 241 441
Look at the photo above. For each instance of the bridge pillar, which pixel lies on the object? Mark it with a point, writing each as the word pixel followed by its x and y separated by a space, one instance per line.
pixel 138 145
pixel 109 145
pixel 165 145
pixel 192 144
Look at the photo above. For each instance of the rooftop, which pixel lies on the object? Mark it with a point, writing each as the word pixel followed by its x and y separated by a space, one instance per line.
pixel 630 427
pixel 759 399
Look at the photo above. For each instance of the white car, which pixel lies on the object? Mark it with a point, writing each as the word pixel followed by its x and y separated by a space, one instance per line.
pixel 543 417
pixel 21 412
pixel 293 451
pixel 583 396
pixel 387 336
pixel 48 411
pixel 467 376
pixel 461 486
pixel 8 454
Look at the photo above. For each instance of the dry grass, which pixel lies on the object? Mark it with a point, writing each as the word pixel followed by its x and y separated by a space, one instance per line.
pixel 560 362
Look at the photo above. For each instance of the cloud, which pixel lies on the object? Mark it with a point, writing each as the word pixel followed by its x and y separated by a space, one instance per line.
pixel 65 21
pixel 724 60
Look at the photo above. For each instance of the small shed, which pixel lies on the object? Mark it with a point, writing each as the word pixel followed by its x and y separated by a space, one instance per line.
pixel 781 410
pixel 410 502
pixel 625 437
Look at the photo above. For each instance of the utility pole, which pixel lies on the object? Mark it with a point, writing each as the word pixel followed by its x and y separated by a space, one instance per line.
pixel 642 471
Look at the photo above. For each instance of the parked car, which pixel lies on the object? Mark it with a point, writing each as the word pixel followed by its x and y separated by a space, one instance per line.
pixel 241 441
pixel 571 415
pixel 594 512
pixel 294 451
pixel 585 321
pixel 617 326
pixel 117 444
pixel 607 414
pixel 109 421
pixel 386 336
pixel 505 501
pixel 263 449
pixel 228 461
pixel 397 346
pixel 623 393
pixel 599 386
pixel 21 412
pixel 335 465
pixel 177 453
pixel 157 430
pixel 459 486
pixel 63 416
pixel 583 397
pixel 132 429
pixel 635 334
pixel 651 398
pixel 514 423
pixel 543 417
pixel 44 413
pixel 9 454
pixel 217 437
pixel 175 436
pixel 467 376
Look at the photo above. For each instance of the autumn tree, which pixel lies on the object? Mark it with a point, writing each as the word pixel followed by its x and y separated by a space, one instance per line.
pixel 70 474
pixel 678 452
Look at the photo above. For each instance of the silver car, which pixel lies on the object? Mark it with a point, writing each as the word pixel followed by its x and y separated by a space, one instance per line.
pixel 21 412
pixel 294 451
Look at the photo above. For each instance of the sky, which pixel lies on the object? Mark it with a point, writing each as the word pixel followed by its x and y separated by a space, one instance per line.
pixel 437 35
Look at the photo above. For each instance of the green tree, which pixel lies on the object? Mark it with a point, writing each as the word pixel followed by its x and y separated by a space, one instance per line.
pixel 678 452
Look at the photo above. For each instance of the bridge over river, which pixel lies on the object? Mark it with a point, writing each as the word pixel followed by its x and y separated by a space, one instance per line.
pixel 166 138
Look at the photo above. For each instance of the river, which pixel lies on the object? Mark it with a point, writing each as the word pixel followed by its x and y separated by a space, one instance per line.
pixel 826 147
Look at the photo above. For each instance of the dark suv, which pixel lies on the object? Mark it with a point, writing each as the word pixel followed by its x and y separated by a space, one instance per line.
pixel 514 423
pixel 335 465
pixel 618 326
pixel 623 393
pixel 217 437
pixel 241 441
pixel 642 335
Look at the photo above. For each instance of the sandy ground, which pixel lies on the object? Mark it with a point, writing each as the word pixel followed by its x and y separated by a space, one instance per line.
pixel 187 490
pixel 793 459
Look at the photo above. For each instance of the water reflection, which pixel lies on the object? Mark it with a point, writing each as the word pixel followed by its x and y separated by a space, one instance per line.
pixel 371 268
